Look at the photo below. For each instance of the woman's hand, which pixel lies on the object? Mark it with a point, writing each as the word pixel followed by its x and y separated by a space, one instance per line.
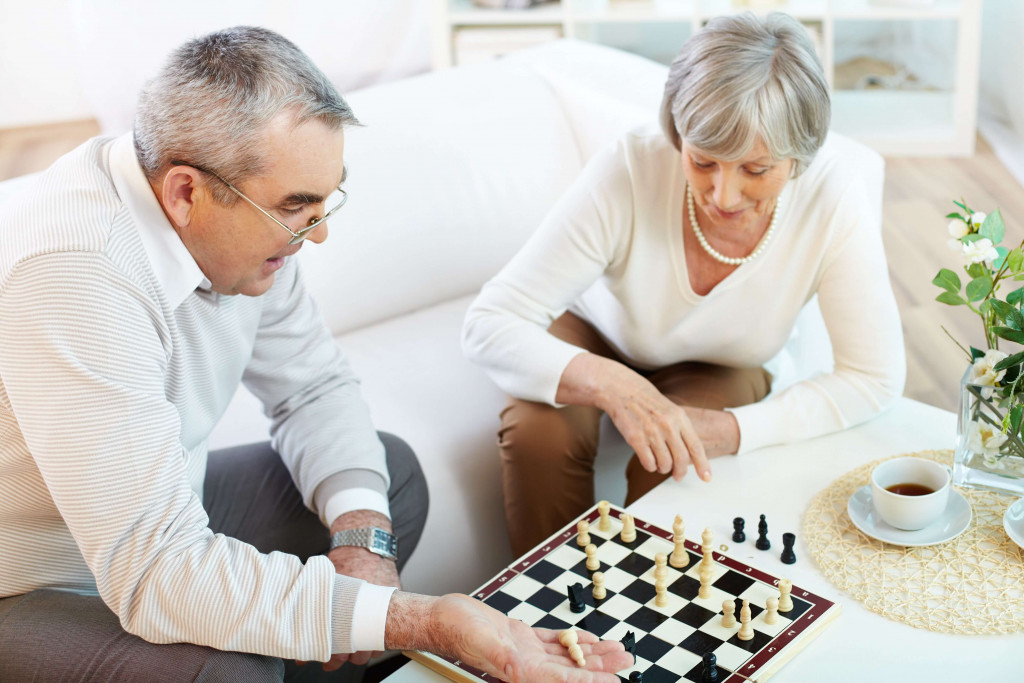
pixel 659 431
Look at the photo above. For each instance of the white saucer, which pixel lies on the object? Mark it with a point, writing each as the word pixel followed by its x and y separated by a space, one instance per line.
pixel 954 521
pixel 1013 522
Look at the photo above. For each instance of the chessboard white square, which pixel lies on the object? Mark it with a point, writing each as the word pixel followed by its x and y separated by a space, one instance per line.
pixel 679 661
pixel 714 627
pixel 780 625
pixel 563 612
pixel 612 553
pixel 527 613
pixel 717 571
pixel 619 631
pixel 620 607
pixel 566 556
pixel 561 583
pixel 758 593
pixel 673 631
pixel 522 587
pixel 671 575
pixel 616 580
pixel 616 528
pixel 730 656
pixel 652 546
pixel 674 604
pixel 640 665
pixel 714 602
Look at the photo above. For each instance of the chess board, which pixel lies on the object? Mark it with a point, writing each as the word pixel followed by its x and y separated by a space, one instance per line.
pixel 671 640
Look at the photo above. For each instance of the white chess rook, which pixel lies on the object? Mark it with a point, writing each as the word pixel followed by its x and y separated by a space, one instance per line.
pixel 785 602
pixel 604 509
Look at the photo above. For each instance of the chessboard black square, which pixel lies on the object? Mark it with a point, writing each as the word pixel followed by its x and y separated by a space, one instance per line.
pixel 685 587
pixel 652 648
pixel 699 642
pixel 733 582
pixel 694 615
pixel 657 674
pixel 640 591
pixel 503 602
pixel 545 572
pixel 640 538
pixel 548 599
pixel 597 623
pixel 553 623
pixel 754 644
pixel 799 607
pixel 646 619
pixel 581 569
pixel 635 564
pixel 695 674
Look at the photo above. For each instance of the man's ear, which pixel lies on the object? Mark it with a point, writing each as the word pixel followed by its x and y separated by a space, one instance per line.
pixel 179 192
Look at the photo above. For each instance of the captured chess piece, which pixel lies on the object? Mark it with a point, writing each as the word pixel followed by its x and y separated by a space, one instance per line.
pixel 583 529
pixel 788 556
pixel 728 609
pixel 593 564
pixel 571 640
pixel 737 530
pixel 771 610
pixel 679 559
pixel 709 671
pixel 746 631
pixel 576 604
pixel 628 528
pixel 785 601
pixel 604 509
pixel 599 590
pixel 629 642
pixel 762 538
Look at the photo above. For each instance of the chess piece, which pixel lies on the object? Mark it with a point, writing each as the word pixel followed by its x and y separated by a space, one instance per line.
pixel 593 564
pixel 728 609
pixel 746 631
pixel 576 604
pixel 709 671
pixel 636 677
pixel 628 528
pixel 583 529
pixel 599 591
pixel 679 559
pixel 737 530
pixel 570 640
pixel 771 610
pixel 762 539
pixel 705 582
pixel 708 538
pixel 661 593
pixel 788 556
pixel 660 566
pixel 785 602
pixel 604 509
pixel 629 642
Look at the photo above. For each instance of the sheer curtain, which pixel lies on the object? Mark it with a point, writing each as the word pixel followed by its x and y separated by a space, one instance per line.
pixel 1001 115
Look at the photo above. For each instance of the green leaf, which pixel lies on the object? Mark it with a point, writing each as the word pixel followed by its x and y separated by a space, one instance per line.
pixel 973 237
pixel 1015 260
pixel 985 306
pixel 998 263
pixel 1015 417
pixel 951 298
pixel 962 206
pixel 956 215
pixel 1011 375
pixel 1015 359
pixel 978 288
pixel 993 227
pixel 1008 314
pixel 1015 297
pixel 976 354
pixel 976 270
pixel 948 280
pixel 1009 334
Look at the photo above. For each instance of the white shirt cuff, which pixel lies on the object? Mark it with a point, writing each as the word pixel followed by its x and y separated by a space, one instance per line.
pixel 348 500
pixel 370 616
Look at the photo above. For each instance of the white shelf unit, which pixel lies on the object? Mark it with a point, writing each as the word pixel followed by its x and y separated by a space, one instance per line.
pixel 896 122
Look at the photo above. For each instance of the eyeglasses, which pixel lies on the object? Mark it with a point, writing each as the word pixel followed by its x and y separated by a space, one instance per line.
pixel 297 237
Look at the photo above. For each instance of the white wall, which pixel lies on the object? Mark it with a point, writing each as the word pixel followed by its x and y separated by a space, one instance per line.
pixel 1001 88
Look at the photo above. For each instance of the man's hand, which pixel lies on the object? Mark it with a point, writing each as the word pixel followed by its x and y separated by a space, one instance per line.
pixel 469 630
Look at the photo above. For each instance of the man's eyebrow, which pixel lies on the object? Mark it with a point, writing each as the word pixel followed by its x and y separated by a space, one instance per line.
pixel 310 197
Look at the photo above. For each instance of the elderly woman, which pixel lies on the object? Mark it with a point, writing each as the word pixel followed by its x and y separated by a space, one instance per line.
pixel 674 269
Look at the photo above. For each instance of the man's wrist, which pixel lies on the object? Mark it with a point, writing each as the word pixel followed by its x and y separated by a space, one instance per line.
pixel 357 519
pixel 410 622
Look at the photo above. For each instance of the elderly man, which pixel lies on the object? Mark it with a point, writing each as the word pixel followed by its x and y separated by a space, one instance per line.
pixel 129 553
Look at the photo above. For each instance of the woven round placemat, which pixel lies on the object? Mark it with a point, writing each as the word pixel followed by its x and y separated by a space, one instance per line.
pixel 973 584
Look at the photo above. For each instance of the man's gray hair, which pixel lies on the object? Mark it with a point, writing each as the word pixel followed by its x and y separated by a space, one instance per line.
pixel 744 77
pixel 210 104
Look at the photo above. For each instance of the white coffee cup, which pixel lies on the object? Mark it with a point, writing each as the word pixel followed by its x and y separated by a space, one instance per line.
pixel 910 512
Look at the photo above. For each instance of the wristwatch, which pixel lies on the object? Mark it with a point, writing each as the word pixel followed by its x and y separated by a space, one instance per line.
pixel 372 538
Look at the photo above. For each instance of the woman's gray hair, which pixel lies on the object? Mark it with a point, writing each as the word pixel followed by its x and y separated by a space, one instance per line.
pixel 210 104
pixel 743 77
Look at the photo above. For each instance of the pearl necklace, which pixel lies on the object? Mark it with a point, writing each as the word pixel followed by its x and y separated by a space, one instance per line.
pixel 721 258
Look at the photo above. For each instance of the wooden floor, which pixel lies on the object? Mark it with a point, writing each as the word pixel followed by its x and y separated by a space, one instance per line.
pixel 918 193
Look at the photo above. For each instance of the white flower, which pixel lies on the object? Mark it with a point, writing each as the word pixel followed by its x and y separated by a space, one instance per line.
pixel 977 218
pixel 980 250
pixel 957 229
pixel 984 374
pixel 985 440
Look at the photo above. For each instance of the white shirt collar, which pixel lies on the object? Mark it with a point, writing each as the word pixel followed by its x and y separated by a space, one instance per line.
pixel 175 269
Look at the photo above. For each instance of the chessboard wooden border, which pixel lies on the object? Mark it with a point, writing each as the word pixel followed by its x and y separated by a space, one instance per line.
pixel 760 667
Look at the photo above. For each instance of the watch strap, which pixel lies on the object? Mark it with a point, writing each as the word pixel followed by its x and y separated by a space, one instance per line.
pixel 374 539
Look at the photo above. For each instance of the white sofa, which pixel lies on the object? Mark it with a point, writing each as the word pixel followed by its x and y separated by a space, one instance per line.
pixel 448 177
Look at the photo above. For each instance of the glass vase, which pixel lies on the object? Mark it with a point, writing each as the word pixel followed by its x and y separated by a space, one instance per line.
pixel 986 456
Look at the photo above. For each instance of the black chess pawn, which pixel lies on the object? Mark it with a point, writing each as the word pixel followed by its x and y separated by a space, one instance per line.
pixel 576 604
pixel 762 538
pixel 709 673
pixel 737 530
pixel 788 556
pixel 636 677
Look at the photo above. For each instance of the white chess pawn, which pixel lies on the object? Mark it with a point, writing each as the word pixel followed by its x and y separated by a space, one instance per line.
pixel 628 528
pixel 728 609
pixel 661 593
pixel 771 611
pixel 705 582
pixel 746 631
pixel 604 509
pixel 583 529
pixel 593 564
pixel 785 602
pixel 660 566
pixel 570 640
pixel 599 591
pixel 679 559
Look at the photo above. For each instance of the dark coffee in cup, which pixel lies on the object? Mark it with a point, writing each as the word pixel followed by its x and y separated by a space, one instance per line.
pixel 910 489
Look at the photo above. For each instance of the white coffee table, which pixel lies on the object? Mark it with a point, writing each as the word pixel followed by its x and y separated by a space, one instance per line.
pixel 780 482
